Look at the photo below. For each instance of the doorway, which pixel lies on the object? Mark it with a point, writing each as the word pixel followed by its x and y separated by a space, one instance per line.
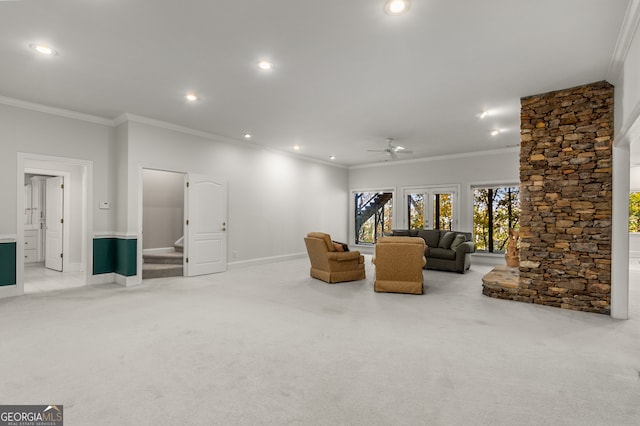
pixel 433 207
pixel 163 224
pixel 54 249
pixel 183 222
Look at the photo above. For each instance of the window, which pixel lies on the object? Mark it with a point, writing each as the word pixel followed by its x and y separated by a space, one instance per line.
pixel 495 211
pixel 634 212
pixel 427 206
pixel 373 215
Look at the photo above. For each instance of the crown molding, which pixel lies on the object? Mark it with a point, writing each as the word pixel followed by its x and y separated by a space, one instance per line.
pixel 61 112
pixel 625 38
pixel 437 158
pixel 214 137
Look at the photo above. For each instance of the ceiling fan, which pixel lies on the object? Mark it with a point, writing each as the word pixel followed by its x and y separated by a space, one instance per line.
pixel 392 149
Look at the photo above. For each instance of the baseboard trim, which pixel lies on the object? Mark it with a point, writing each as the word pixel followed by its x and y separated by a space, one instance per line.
pixel 126 281
pixel 103 279
pixel 264 260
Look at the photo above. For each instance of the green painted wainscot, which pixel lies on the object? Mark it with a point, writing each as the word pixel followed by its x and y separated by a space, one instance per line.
pixel 7 264
pixel 117 255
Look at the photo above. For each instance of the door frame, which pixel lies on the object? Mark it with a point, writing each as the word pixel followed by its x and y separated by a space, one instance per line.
pixel 139 255
pixel 141 167
pixel 454 189
pixel 86 215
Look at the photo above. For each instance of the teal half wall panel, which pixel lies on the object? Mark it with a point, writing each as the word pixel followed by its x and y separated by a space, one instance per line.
pixel 104 255
pixel 126 257
pixel 117 255
pixel 7 264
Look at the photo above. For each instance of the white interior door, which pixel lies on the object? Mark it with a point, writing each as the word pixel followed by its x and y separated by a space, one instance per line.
pixel 206 242
pixel 54 225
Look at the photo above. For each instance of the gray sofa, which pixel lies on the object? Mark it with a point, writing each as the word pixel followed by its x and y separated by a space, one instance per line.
pixel 444 251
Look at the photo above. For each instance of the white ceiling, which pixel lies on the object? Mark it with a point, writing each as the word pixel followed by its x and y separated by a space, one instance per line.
pixel 346 76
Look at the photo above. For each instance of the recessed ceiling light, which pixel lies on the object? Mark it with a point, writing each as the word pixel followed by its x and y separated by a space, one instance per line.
pixel 483 114
pixel 265 65
pixel 43 49
pixel 396 7
pixel 247 135
pixel 495 132
pixel 191 97
pixel 296 147
pixel 333 157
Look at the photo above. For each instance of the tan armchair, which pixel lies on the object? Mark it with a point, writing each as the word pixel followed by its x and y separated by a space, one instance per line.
pixel 399 262
pixel 330 265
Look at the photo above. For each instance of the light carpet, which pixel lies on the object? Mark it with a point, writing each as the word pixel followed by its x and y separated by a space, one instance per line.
pixel 268 345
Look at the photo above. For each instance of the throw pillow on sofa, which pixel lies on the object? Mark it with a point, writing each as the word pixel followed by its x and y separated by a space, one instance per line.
pixel 446 240
pixel 459 239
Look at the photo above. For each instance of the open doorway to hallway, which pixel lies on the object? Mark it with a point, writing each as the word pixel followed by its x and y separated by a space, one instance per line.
pixel 44 231
pixel 163 219
pixel 53 206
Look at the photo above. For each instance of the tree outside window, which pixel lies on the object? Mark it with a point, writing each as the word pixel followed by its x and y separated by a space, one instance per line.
pixel 634 212
pixel 495 211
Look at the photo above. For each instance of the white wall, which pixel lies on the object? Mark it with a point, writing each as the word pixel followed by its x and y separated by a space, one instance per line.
pixel 120 181
pixel 273 199
pixel 23 130
pixel 496 167
pixel 635 177
pixel 163 208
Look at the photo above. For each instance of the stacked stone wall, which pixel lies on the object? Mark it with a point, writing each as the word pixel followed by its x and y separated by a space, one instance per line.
pixel 566 184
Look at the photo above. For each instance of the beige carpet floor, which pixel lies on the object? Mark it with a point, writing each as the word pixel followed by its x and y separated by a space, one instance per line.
pixel 267 345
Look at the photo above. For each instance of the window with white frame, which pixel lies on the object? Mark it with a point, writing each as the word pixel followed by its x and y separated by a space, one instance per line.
pixel 373 215
pixel 496 209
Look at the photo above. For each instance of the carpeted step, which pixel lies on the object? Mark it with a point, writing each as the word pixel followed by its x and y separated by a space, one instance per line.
pixel 164 258
pixel 150 270
pixel 179 248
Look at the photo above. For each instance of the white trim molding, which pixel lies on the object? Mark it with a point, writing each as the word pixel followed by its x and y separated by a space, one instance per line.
pixel 61 112
pixel 625 38
pixel 512 149
pixel 265 260
pixel 11 238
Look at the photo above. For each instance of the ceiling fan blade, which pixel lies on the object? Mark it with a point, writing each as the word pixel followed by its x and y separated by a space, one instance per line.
pixel 377 150
pixel 406 151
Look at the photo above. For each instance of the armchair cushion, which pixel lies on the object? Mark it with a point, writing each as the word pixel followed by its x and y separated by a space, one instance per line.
pixel 340 246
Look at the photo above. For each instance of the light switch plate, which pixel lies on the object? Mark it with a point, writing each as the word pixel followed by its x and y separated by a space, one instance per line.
pixel 104 205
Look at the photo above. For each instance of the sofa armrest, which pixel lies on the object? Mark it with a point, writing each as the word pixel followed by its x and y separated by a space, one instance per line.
pixel 461 255
pixel 466 247
pixel 343 256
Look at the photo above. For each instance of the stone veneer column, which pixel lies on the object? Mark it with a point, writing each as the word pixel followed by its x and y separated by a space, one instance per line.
pixel 566 194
